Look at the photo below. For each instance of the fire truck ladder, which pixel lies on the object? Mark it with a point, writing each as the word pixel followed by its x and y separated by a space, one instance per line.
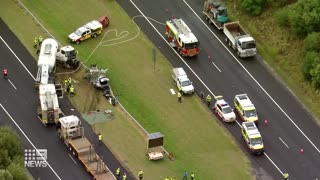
pixel 181 27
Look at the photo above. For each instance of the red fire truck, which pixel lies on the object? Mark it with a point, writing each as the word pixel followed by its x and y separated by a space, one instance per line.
pixel 181 37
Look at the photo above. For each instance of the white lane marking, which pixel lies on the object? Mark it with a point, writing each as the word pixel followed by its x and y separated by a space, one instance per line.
pixel 188 66
pixel 146 18
pixel 274 164
pixel 12 84
pixel 283 142
pixel 216 66
pixel 55 173
pixel 17 57
pixel 255 81
pixel 72 159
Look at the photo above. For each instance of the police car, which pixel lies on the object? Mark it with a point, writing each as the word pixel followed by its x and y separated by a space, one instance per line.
pixel 224 111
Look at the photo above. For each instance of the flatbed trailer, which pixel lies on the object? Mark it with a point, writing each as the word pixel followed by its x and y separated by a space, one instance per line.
pixel 72 133
pixel 84 151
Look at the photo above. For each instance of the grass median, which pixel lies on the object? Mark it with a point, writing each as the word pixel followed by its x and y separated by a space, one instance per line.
pixel 197 142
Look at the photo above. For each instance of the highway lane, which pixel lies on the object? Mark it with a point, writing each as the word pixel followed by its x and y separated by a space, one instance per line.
pixel 20 104
pixel 232 80
pixel 22 74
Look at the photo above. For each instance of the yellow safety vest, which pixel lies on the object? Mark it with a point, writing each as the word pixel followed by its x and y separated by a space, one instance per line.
pixel 140 173
pixel 100 139
pixel 40 39
pixel 124 177
pixel 118 171
pixel 71 89
pixel 179 95
pixel 208 98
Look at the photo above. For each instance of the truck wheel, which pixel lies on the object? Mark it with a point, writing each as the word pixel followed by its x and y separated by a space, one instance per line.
pixel 238 53
pixel 207 19
pixel 94 35
pixel 78 42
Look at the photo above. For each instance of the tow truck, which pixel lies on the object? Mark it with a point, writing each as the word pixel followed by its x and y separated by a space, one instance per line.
pixel 182 38
pixel 90 29
pixel 252 137
pixel 223 110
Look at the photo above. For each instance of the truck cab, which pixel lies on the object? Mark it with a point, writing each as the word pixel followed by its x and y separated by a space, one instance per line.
pixel 252 137
pixel 67 56
pixel 246 46
pixel 245 108
pixel 181 79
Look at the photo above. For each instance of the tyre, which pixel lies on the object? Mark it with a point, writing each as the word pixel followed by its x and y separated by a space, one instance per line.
pixel 78 42
pixel 94 35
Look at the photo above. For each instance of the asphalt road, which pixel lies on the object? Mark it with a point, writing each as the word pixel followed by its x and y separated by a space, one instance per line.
pixel 290 126
pixel 18 105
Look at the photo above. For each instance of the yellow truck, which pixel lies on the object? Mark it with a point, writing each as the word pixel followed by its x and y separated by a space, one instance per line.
pixel 72 133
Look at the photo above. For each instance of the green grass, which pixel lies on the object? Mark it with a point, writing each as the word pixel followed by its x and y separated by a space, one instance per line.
pixel 282 51
pixel 197 142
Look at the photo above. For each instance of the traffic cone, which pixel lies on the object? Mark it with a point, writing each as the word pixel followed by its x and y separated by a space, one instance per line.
pixel 301 150
pixel 265 122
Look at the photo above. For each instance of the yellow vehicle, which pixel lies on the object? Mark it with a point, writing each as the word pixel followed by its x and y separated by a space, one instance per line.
pixel 245 108
pixel 91 29
pixel 182 38
pixel 252 137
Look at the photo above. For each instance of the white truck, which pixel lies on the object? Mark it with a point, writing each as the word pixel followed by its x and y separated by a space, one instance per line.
pixel 181 79
pixel 239 40
pixel 48 109
pixel 67 57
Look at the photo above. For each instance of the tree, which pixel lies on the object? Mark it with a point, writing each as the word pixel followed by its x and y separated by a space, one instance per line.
pixel 304 17
pixel 5 175
pixel 18 171
pixel 9 140
pixel 312 42
pixel 11 160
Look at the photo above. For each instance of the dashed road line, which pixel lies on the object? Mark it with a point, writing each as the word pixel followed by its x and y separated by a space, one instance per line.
pixel 17 58
pixel 283 142
pixel 216 66
pixel 280 108
pixel 12 84
pixel 72 159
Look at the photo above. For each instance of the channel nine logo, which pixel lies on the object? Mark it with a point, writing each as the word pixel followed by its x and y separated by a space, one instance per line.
pixel 35 157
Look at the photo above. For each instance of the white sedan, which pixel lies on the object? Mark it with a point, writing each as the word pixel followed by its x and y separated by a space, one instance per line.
pixel 224 111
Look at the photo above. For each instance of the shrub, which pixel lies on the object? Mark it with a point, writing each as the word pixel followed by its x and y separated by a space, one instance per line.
pixel 254 7
pixel 304 17
pixel 282 17
pixel 309 60
pixel 315 75
pixel 312 42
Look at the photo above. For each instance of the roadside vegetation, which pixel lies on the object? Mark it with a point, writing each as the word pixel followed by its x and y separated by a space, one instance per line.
pixel 287 32
pixel 198 143
pixel 11 156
